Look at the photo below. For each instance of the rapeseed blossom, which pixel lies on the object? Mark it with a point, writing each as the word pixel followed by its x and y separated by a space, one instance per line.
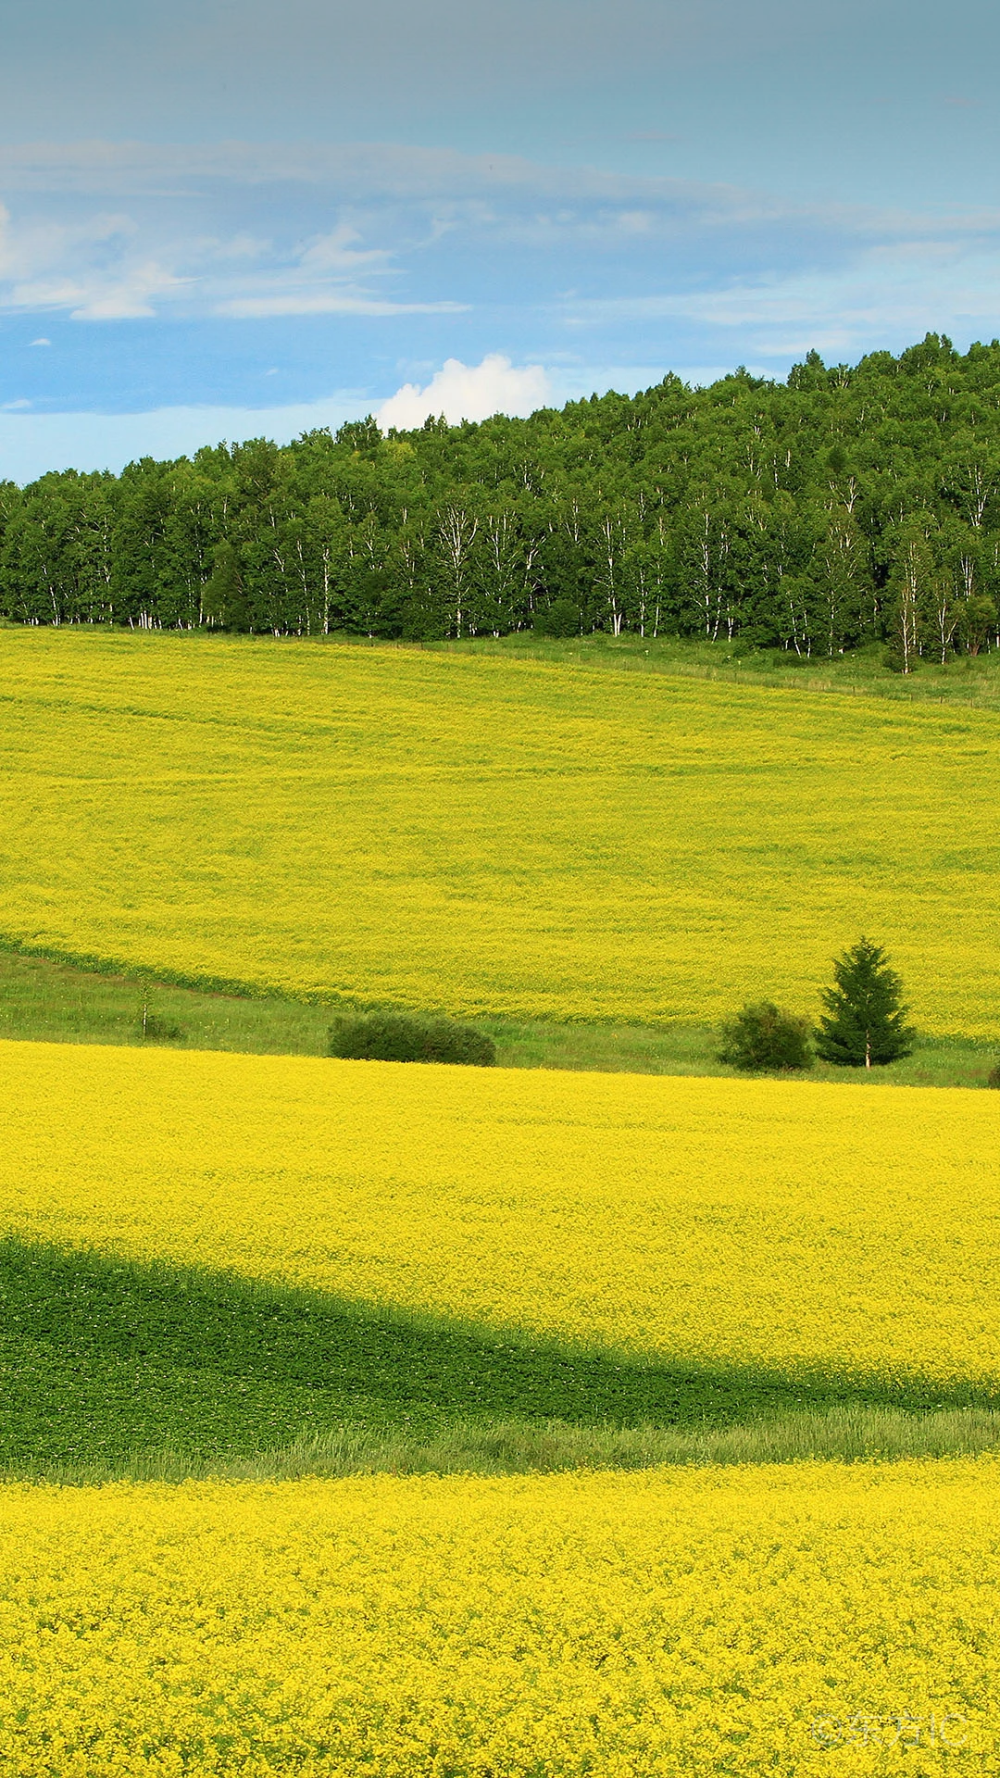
pixel 800 1620
pixel 792 1226
pixel 471 833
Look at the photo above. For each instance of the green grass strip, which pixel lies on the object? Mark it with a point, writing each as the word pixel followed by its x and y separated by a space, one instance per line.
pixel 850 1433
pixel 47 999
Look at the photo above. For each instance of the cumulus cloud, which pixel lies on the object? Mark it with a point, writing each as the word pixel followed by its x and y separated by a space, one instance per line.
pixel 467 392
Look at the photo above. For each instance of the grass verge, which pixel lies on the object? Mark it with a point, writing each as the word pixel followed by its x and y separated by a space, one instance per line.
pixel 850 1433
pixel 45 1000
pixel 962 679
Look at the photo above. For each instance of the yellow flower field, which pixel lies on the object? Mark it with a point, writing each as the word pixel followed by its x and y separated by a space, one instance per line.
pixel 798 1620
pixel 479 833
pixel 790 1226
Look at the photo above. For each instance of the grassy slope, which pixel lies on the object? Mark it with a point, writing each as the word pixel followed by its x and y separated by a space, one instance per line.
pixel 962 680
pixel 44 1000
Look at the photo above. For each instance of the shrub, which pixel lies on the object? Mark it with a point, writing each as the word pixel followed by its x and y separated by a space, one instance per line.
pixel 562 618
pixel 400 1037
pixel 151 1028
pixel 993 1077
pixel 763 1036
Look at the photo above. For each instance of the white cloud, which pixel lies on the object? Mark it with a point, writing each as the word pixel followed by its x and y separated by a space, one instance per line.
pixel 32 443
pixel 467 392
pixel 877 294
pixel 132 296
pixel 325 302
pixel 262 231
pixel 251 231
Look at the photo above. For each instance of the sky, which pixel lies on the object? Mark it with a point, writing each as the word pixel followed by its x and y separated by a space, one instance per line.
pixel 227 218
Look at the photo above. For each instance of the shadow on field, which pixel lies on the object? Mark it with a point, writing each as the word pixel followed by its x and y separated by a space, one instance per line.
pixel 102 1357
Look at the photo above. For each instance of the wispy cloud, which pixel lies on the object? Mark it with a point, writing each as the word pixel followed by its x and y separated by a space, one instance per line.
pixel 326 302
pixel 117 231
pixel 878 292
pixel 483 264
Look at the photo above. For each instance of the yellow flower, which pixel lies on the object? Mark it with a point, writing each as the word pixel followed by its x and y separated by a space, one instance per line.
pixel 741 1622
pixel 472 833
pixel 732 1222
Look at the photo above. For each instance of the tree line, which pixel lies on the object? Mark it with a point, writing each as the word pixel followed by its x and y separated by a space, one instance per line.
pixel 844 506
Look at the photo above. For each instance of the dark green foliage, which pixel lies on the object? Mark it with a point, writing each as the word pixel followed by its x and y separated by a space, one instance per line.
pixel 977 622
pixel 153 1028
pixel 400 1037
pixel 222 601
pixel 101 1357
pixel 993 1078
pixel 849 506
pixel 763 1037
pixel 49 1001
pixel 562 618
pixel 864 1023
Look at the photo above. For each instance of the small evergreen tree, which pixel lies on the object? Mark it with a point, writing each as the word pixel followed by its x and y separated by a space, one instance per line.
pixel 863 1025
pixel 762 1037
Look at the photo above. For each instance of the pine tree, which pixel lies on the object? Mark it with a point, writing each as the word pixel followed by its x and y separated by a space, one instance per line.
pixel 864 1020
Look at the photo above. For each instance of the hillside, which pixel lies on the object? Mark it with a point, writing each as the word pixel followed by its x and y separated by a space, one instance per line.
pixel 218 1256
pixel 430 1420
pixel 481 834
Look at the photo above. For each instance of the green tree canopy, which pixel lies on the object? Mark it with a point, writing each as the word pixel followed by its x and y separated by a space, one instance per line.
pixel 864 1023
pixel 763 1037
pixel 847 506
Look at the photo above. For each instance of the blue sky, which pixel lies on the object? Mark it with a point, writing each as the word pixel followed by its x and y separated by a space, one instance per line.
pixel 233 216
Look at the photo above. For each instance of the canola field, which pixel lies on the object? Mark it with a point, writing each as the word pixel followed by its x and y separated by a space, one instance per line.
pixel 479 834
pixel 798 1620
pixel 231 1250
pixel 746 1224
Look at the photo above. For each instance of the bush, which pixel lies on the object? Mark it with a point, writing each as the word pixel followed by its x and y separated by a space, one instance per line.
pixel 151 1028
pixel 993 1077
pixel 399 1037
pixel 763 1036
pixel 562 618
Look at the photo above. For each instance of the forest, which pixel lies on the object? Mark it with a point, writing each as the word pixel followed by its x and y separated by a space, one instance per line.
pixel 848 505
